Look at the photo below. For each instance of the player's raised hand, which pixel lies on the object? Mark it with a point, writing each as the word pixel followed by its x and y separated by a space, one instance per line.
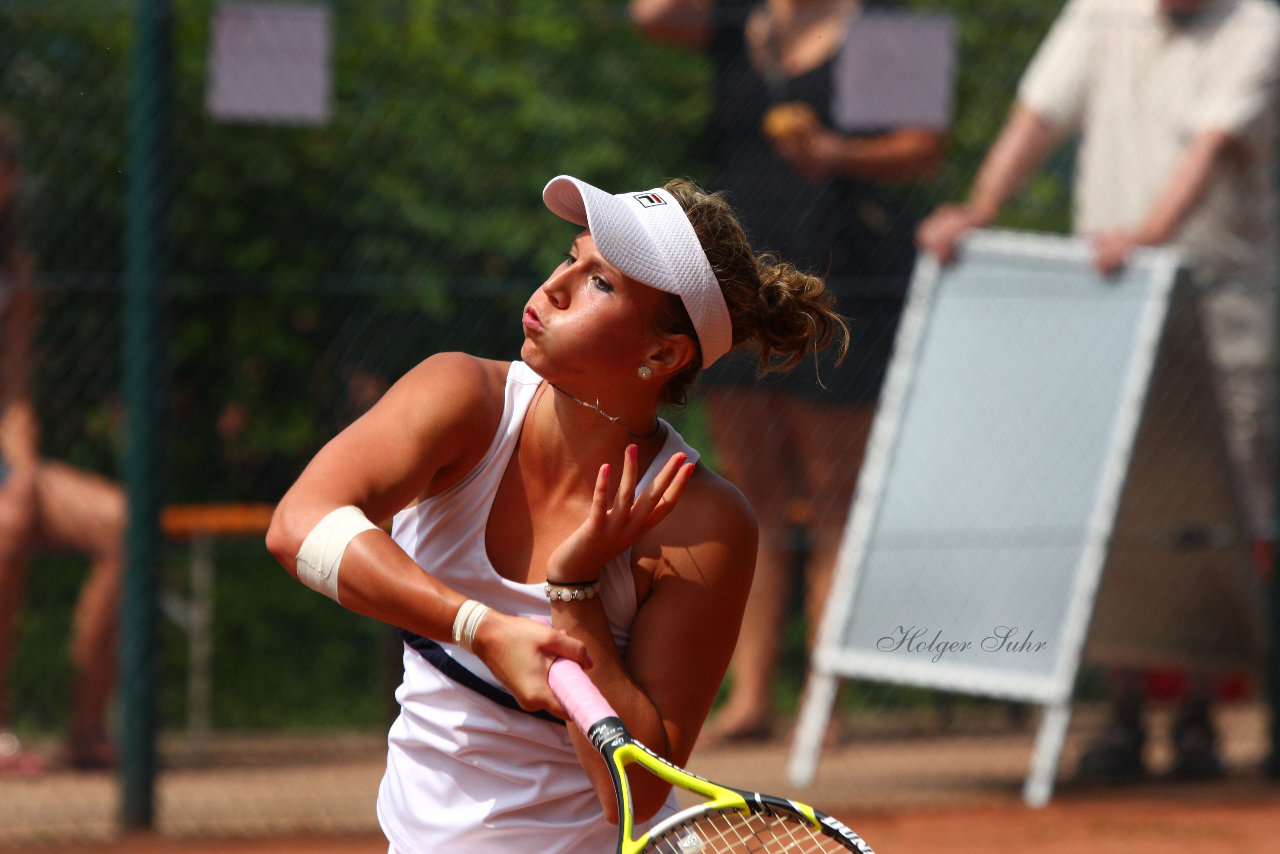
pixel 617 521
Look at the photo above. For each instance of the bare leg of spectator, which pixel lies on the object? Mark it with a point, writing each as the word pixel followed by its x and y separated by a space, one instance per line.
pixel 755 451
pixel 15 545
pixel 797 462
pixel 86 513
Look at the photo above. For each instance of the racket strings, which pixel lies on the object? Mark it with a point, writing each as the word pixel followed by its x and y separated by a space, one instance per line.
pixel 733 832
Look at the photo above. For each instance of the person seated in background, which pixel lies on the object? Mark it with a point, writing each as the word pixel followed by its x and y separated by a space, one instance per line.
pixel 48 503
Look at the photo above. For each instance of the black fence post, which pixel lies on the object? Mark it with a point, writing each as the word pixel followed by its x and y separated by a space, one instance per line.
pixel 147 204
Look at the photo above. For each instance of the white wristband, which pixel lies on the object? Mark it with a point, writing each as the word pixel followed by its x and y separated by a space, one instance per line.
pixel 322 550
pixel 467 621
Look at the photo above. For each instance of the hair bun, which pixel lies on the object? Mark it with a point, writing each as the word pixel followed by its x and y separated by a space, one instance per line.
pixel 781 313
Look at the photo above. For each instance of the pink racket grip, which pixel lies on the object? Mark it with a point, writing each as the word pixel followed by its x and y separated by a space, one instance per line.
pixel 578 694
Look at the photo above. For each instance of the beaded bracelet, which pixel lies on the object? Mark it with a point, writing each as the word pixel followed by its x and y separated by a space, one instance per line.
pixel 580 592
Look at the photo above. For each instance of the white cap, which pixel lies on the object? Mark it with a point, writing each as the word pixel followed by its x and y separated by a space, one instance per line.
pixel 649 238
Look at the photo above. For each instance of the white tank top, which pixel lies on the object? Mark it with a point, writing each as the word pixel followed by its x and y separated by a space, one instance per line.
pixel 464 774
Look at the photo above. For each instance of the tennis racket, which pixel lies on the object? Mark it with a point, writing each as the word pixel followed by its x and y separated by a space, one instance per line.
pixel 728 821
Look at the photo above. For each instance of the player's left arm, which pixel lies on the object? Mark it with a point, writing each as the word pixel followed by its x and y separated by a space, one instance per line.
pixel 687 625
pixel 693 572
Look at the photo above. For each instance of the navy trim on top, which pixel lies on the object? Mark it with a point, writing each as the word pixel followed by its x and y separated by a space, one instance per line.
pixel 446 664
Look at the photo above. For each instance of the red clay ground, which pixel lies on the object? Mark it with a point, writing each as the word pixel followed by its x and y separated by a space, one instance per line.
pixel 1125 825
pixel 926 793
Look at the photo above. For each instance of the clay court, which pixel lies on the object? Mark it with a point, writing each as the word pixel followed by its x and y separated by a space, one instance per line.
pixel 1135 823
pixel 910 793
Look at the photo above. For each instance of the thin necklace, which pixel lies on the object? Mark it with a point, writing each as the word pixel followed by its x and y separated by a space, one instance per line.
pixel 615 419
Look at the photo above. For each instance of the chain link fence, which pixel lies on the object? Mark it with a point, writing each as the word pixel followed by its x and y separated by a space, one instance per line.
pixel 312 260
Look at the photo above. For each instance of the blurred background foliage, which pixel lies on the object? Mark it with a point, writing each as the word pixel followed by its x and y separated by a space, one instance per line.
pixel 423 189
pixel 312 265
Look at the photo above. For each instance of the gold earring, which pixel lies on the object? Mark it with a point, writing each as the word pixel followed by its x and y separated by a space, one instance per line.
pixel 645 372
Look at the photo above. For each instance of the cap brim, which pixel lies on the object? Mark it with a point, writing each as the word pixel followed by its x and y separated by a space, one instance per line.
pixel 661 250
pixel 563 196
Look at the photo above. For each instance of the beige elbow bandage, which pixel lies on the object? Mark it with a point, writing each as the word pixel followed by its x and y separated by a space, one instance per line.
pixel 322 550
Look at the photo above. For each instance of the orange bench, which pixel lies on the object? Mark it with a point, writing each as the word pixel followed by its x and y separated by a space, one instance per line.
pixel 200 525
pixel 192 521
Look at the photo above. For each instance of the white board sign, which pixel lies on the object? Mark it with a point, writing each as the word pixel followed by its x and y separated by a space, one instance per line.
pixel 992 478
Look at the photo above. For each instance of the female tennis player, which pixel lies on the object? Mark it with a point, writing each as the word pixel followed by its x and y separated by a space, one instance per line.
pixel 535 516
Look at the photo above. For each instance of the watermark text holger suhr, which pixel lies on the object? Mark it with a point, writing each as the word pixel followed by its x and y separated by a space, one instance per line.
pixel 919 639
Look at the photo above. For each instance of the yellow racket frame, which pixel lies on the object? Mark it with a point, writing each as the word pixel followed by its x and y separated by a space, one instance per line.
pixel 624 752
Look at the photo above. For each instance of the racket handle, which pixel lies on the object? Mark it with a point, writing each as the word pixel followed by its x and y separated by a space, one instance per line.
pixel 578 694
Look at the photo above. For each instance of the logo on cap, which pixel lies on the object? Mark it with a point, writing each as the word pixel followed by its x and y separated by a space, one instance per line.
pixel 649 200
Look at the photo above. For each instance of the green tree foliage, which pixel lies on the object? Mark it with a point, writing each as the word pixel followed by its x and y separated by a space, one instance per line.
pixel 305 259
pixel 310 265
pixel 419 198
